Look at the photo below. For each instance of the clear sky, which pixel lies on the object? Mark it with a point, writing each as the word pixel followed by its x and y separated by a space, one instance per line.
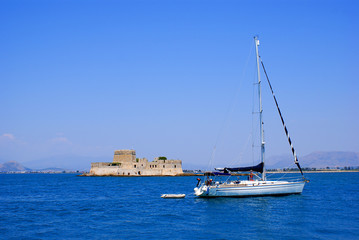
pixel 80 79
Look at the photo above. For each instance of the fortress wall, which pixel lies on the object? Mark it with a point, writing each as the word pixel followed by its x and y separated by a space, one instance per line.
pixel 126 165
pixel 172 171
pixel 103 169
pixel 116 170
pixel 101 164
pixel 140 163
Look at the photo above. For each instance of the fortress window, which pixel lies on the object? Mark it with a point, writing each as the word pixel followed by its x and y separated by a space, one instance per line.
pixel 175 166
pixel 134 166
pixel 163 166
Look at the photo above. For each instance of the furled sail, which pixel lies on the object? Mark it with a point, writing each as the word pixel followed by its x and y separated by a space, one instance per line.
pixel 216 173
pixel 257 168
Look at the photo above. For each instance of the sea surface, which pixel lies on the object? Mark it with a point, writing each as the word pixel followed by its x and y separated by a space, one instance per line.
pixel 66 206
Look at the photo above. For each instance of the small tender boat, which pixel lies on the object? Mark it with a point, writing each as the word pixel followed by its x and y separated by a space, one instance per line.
pixel 173 195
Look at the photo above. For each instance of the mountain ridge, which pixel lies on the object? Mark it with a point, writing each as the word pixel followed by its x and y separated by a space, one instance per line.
pixel 318 159
pixel 13 166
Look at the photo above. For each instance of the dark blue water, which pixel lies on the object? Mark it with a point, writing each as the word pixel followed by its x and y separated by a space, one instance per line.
pixel 65 206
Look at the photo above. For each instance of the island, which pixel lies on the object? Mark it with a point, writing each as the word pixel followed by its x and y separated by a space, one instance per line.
pixel 125 163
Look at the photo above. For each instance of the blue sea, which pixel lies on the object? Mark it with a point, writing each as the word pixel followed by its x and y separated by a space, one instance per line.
pixel 66 206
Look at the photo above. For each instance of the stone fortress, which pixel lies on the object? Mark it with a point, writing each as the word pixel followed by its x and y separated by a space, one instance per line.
pixel 125 163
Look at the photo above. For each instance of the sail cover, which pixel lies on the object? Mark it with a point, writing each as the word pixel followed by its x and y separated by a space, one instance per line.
pixel 257 168
pixel 217 174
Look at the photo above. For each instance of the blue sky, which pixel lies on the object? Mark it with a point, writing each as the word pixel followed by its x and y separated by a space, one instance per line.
pixel 174 78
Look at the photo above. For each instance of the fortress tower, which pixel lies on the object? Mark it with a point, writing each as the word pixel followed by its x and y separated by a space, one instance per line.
pixel 121 156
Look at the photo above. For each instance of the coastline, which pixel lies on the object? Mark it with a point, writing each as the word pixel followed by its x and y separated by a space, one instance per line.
pixel 180 175
pixel 243 174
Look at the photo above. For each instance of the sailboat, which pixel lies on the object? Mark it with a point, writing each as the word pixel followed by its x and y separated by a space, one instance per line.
pixel 256 183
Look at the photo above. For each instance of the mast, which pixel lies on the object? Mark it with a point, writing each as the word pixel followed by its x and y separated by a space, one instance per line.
pixel 256 41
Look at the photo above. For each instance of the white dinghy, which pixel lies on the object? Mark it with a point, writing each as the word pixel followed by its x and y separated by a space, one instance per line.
pixel 173 195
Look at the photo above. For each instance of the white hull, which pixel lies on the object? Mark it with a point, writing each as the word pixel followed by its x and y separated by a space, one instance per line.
pixel 250 188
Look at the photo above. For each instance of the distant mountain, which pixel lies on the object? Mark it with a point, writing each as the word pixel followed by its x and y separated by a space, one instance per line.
pixel 13 166
pixel 317 160
pixel 67 162
pixel 71 162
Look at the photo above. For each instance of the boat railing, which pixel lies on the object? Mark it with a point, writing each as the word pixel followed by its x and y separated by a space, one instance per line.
pixel 285 177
